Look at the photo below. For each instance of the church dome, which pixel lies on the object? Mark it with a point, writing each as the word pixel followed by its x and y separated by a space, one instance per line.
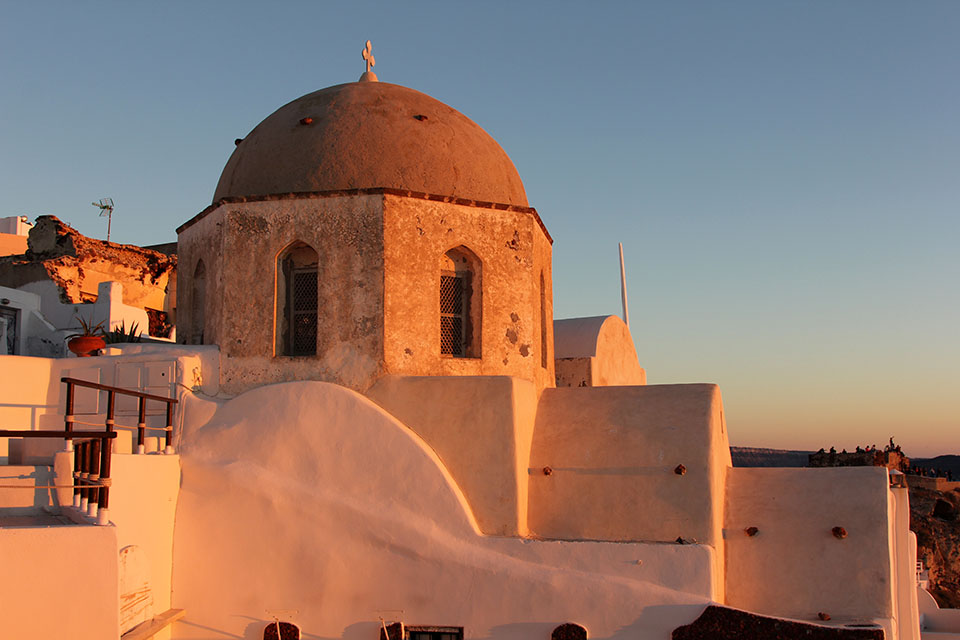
pixel 368 135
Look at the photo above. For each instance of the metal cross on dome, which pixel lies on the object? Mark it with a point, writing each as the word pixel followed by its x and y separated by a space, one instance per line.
pixel 367 54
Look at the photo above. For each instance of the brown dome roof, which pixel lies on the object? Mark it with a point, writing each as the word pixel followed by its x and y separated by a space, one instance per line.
pixel 368 135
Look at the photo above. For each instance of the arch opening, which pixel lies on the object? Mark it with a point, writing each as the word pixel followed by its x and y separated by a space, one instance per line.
pixel 295 322
pixel 460 304
pixel 198 303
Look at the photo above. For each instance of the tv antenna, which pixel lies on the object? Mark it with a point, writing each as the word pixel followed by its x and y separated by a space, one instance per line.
pixel 106 209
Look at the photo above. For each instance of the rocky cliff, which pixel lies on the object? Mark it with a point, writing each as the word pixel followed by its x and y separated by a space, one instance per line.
pixel 933 517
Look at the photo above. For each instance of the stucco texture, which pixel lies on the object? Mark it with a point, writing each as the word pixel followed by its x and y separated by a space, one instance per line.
pixel 239 245
pixel 596 352
pixel 513 250
pixel 340 512
pixel 613 453
pixel 59 582
pixel 481 427
pixel 794 566
pixel 370 134
pixel 380 258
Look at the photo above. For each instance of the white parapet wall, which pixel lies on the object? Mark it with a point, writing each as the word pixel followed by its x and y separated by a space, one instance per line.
pixel 32 395
pixel 307 498
pixel 804 541
pixel 481 430
pixel 59 582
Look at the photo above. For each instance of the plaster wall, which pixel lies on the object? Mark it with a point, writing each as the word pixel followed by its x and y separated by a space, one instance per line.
pixel 239 244
pixel 341 513
pixel 107 306
pixel 76 265
pixel 514 250
pixel 16 226
pixel 574 372
pixel 35 336
pixel 794 566
pixel 32 396
pixel 16 501
pixel 203 241
pixel 11 245
pixel 143 501
pixel 59 582
pixel 481 427
pixel 904 561
pixel 612 453
pixel 596 352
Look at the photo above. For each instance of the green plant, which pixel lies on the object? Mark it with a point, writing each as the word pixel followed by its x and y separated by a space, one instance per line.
pixel 87 329
pixel 122 334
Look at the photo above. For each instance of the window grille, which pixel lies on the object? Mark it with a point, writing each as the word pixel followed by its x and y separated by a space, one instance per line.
pixel 452 316
pixel 303 316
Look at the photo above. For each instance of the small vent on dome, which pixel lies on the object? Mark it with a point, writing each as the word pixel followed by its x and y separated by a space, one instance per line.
pixel 420 117
pixel 306 120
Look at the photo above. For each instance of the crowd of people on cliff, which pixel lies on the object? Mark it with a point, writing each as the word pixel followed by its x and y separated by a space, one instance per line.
pixel 905 467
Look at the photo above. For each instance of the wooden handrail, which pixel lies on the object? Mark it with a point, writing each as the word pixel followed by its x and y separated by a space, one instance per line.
pixel 92 455
pixel 75 435
pixel 126 392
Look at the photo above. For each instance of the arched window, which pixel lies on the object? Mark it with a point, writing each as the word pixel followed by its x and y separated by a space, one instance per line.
pixel 198 302
pixel 460 304
pixel 543 322
pixel 296 306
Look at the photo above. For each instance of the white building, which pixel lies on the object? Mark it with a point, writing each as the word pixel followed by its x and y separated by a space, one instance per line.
pixel 351 449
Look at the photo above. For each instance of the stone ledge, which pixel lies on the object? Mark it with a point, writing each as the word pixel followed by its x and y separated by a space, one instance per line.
pixel 338 193
pixel 724 623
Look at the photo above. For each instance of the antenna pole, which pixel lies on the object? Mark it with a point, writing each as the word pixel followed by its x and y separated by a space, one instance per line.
pixel 623 288
pixel 110 219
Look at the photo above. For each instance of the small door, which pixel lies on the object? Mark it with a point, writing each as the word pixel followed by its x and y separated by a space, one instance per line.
pixel 9 344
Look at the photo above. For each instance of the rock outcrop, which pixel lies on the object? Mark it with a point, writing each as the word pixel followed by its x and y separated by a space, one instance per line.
pixel 933 517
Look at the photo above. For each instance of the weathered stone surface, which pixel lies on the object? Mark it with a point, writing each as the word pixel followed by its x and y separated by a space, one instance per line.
pixel 371 134
pixel 938 542
pixel 379 262
pixel 723 623
pixel 77 264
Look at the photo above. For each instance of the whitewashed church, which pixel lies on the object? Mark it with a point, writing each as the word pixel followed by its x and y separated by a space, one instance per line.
pixel 381 431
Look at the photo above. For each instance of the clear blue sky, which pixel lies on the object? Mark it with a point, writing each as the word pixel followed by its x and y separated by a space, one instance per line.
pixel 785 176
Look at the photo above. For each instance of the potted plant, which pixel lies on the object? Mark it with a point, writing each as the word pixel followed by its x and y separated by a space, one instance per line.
pixel 120 333
pixel 88 341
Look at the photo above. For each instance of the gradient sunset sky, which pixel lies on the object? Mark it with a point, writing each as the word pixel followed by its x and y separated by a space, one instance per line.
pixel 784 176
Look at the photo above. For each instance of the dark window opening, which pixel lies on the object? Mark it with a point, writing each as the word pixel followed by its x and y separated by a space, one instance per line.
pixel 453 319
pixel 460 304
pixel 543 323
pixel 8 331
pixel 303 312
pixel 297 307
pixel 281 631
pixel 198 303
pixel 399 631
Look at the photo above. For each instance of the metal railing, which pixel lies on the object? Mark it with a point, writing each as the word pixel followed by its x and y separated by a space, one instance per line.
pixel 91 456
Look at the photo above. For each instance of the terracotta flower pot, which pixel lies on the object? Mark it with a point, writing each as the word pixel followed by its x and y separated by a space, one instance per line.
pixel 85 346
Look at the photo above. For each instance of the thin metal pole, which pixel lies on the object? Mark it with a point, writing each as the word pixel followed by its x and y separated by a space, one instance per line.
pixel 141 424
pixel 623 289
